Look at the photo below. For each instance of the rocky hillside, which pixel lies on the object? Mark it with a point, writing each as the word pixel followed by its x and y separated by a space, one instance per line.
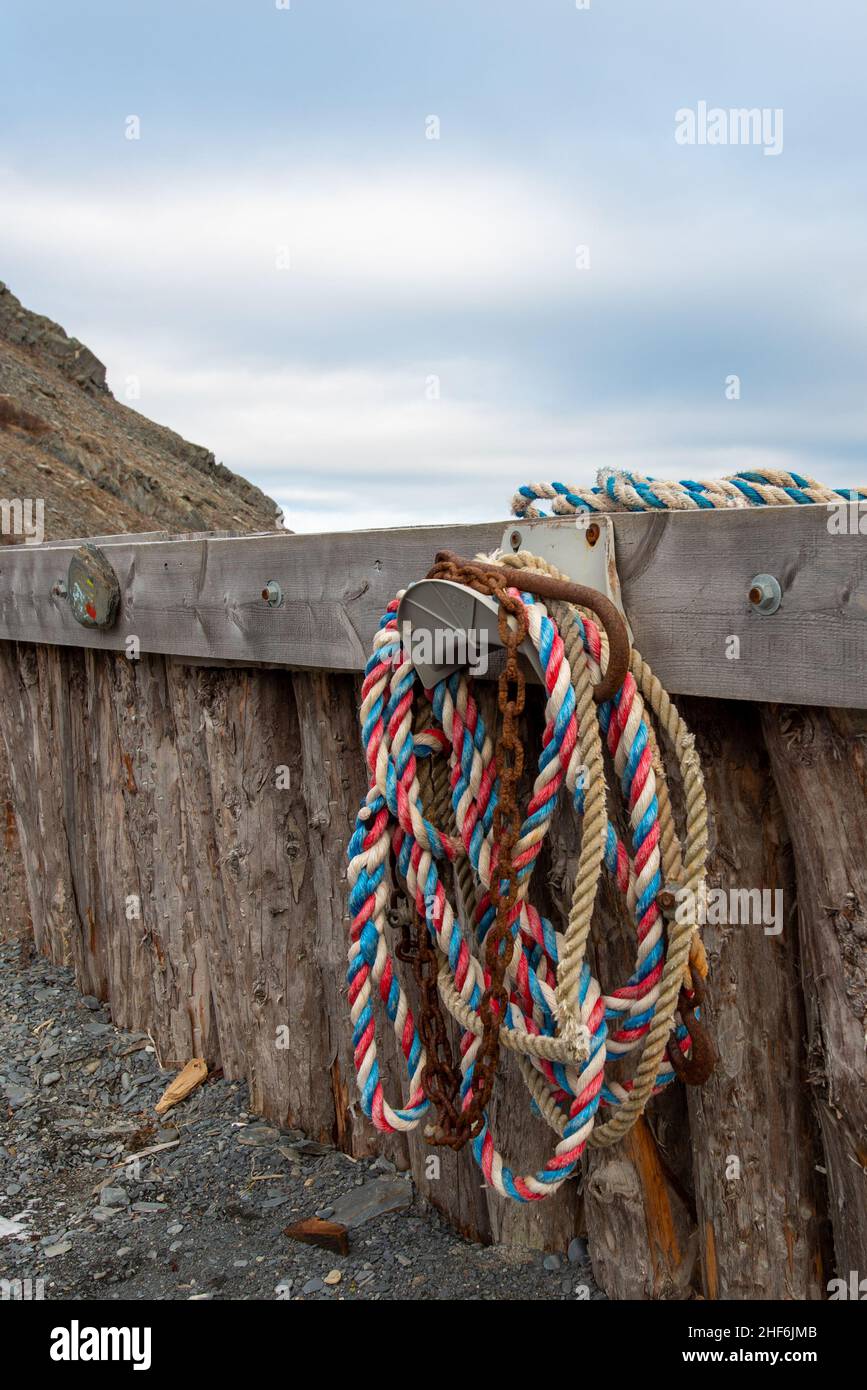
pixel 101 467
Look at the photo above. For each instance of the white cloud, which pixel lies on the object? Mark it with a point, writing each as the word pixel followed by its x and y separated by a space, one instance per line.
pixel 365 449
pixel 281 375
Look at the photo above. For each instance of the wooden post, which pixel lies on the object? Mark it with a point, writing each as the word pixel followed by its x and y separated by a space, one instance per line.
pixel 760 1201
pixel 819 760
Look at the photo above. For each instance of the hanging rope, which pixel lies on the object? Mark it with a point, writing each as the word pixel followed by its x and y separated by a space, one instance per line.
pixel 433 825
pixel 631 492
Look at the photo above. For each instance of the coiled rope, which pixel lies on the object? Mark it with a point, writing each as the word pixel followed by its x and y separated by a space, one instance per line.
pixel 430 809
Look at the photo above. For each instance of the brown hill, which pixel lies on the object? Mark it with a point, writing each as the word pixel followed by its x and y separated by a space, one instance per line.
pixel 101 467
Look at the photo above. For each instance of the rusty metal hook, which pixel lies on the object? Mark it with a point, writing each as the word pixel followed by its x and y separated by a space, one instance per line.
pixel 546 586
pixel 694 1070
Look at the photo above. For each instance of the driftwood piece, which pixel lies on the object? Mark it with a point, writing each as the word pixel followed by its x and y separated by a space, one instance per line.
pixel 186 1081
pixel 819 761
pixel 328 1235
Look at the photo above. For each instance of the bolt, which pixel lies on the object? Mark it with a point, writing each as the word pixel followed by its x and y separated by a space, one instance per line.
pixel 592 533
pixel 515 540
pixel 765 593
pixel 666 899
pixel 273 594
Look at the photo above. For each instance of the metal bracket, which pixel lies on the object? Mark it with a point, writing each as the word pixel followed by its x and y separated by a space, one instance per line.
pixel 439 612
pixel 584 552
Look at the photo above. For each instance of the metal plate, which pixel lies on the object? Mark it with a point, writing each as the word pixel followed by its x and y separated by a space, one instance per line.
pixel 583 552
pixel 92 588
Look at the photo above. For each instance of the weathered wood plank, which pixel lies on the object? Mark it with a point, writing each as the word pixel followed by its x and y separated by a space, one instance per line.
pixel 761 1204
pixel 15 922
pixel 685 579
pixel 34 763
pixel 638 1202
pixel 819 761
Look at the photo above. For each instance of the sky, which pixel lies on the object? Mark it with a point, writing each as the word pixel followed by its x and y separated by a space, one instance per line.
pixel 391 260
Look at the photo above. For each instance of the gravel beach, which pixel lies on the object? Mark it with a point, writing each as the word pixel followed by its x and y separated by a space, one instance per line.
pixel 100 1198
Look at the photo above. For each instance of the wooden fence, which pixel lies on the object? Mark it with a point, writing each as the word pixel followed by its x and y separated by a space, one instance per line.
pixel 179 823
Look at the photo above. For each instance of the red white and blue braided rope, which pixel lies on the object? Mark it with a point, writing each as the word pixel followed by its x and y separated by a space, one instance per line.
pixel 568 1083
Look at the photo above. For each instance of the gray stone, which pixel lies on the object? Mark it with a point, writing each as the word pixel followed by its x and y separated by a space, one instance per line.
pixel 577 1252
pixel 50 1078
pixel 551 1262
pixel 52 1251
pixel 376 1198
pixel 383 1165
pixel 258 1136
pixel 312 1286
pixel 113 1197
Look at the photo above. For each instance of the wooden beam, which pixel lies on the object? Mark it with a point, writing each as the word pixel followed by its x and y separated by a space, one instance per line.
pixel 685 578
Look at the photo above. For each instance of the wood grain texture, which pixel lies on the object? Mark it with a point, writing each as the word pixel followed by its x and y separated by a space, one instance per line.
pixel 819 762
pixel 760 1201
pixel 685 578
pixel 15 922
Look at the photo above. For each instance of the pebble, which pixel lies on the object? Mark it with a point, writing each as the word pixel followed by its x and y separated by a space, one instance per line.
pixel 63 1248
pixel 333 1277
pixel 372 1199
pixel 174 1230
pixel 312 1286
pixel 258 1136
pixel 113 1197
pixel 51 1078
pixel 577 1252
pixel 551 1262
pixel 384 1165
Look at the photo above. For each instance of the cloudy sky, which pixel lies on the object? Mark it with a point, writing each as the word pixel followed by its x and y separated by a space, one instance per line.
pixel 379 327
